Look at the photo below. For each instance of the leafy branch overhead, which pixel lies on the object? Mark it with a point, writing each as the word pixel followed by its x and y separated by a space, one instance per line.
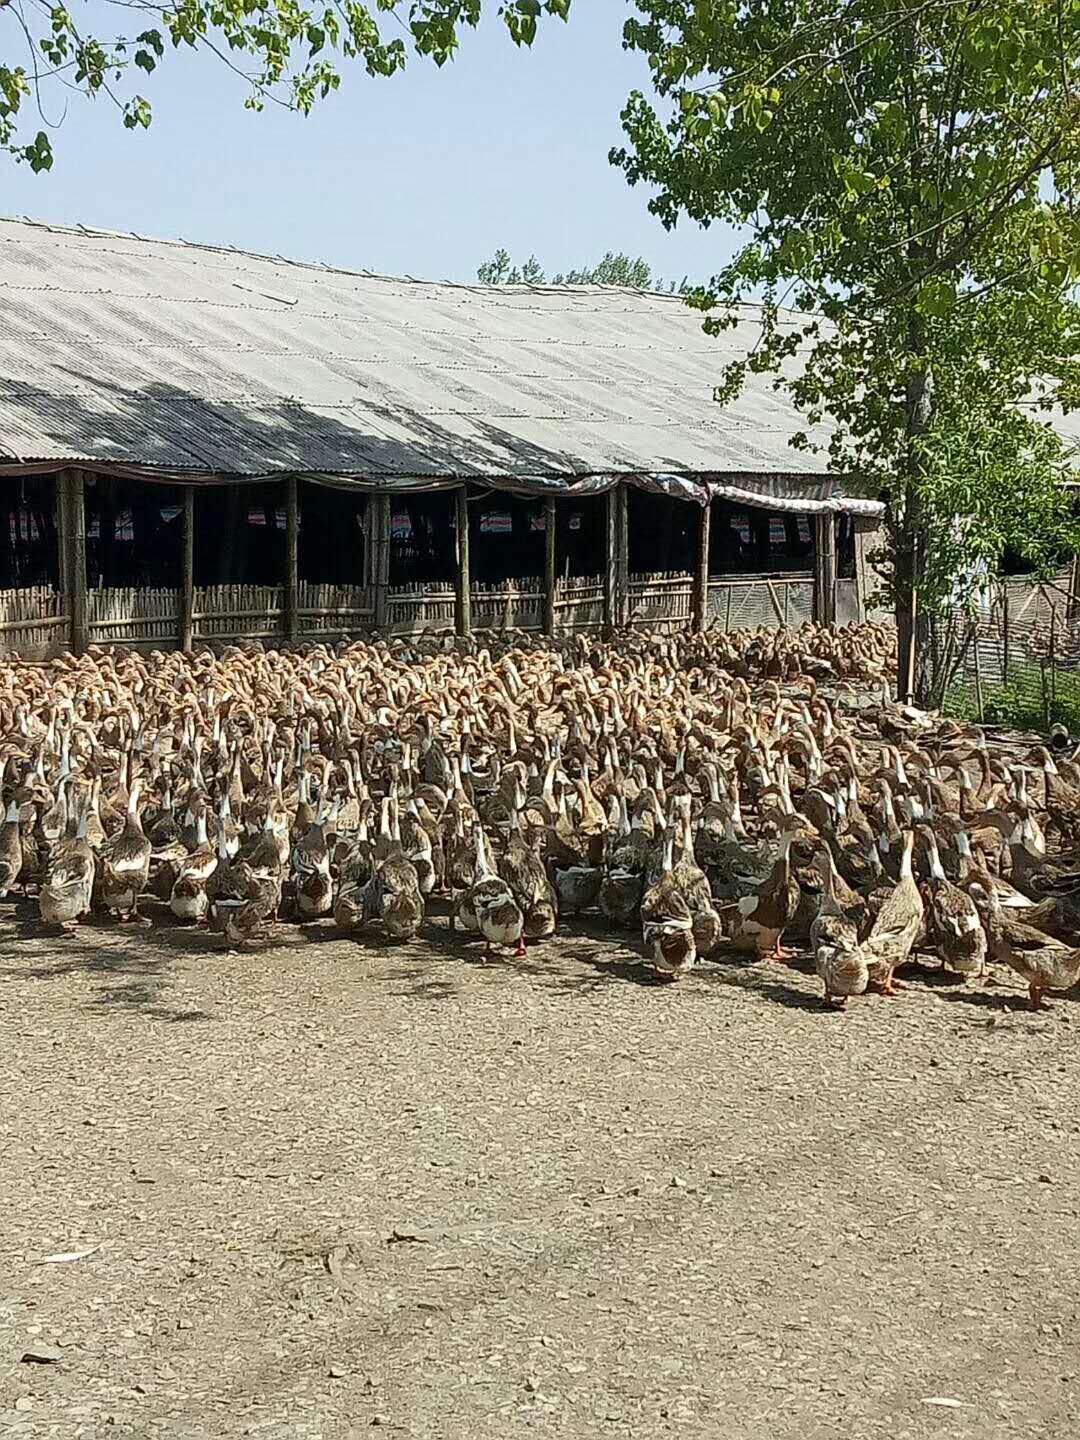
pixel 285 52
pixel 904 175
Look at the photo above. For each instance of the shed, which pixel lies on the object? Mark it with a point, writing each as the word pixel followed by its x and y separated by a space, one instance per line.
pixel 201 443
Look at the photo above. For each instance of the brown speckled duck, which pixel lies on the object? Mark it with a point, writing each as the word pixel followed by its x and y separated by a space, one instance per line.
pixel 1043 962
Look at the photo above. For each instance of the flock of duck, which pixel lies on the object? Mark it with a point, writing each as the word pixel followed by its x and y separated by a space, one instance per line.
pixel 719 792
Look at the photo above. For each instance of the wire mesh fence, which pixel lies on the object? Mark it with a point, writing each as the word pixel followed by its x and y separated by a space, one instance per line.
pixel 1015 659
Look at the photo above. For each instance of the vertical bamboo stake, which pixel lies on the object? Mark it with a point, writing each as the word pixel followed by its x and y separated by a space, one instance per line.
pixel 550 523
pixel 1053 662
pixel 978 676
pixel 292 559
pixel 381 552
pixel 700 604
pixel 1005 635
pixel 187 575
pixel 909 651
pixel 463 578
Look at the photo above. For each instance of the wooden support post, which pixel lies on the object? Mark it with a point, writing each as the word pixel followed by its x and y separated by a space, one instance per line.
pixel 292 559
pixel 60 516
pixel 617 579
pixel 700 607
pixel 825 568
pixel 860 573
pixel 187 577
pixel 550 523
pixel 71 513
pixel 610 547
pixel 463 573
pixel 380 549
pixel 623 554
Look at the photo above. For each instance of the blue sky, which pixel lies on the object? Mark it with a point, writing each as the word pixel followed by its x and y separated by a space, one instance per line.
pixel 423 174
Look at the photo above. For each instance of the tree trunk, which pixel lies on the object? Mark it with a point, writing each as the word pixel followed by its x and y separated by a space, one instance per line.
pixel 914 667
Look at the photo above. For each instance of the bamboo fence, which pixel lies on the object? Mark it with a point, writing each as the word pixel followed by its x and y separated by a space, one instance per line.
pixel 239 612
pixel 333 610
pixel 509 605
pixel 660 600
pixel 579 603
pixel 33 620
pixel 428 606
pixel 132 616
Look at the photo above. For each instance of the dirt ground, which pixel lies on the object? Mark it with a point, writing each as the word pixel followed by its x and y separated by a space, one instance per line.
pixel 331 1186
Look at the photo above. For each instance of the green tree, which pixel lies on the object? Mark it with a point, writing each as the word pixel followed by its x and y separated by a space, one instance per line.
pixel 613 269
pixel 904 174
pixel 500 270
pixel 286 51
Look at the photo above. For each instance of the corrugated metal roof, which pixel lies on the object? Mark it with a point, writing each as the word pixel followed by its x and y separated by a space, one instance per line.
pixel 118 349
pixel 164 356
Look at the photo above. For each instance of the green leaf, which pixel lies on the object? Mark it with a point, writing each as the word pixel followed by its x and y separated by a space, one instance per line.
pixel 38 155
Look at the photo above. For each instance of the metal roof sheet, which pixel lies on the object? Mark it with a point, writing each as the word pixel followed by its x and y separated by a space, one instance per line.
pixel 163 356
pixel 122 350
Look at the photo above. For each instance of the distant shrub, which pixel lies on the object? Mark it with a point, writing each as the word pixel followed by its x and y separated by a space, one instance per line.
pixel 1030 701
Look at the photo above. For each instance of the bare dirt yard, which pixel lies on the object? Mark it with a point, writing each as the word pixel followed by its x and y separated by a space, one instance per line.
pixel 332 1189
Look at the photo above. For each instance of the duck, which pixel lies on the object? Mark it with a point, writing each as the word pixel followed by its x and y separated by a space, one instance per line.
pixel 576 875
pixel 243 899
pixel 188 898
pixel 851 903
pixel 1044 962
pixel 733 865
pixel 953 922
pixel 622 886
pixel 312 885
pixel 764 914
pixel 419 849
pixel 392 897
pixel 896 926
pixel 667 924
pixel 489 905
pixel 357 867
pixel 67 885
pixel 693 882
pixel 839 960
pixel 1062 800
pixel 125 863
pixel 11 849
pixel 523 870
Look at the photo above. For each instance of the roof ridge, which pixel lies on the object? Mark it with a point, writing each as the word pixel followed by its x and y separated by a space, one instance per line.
pixel 323 267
